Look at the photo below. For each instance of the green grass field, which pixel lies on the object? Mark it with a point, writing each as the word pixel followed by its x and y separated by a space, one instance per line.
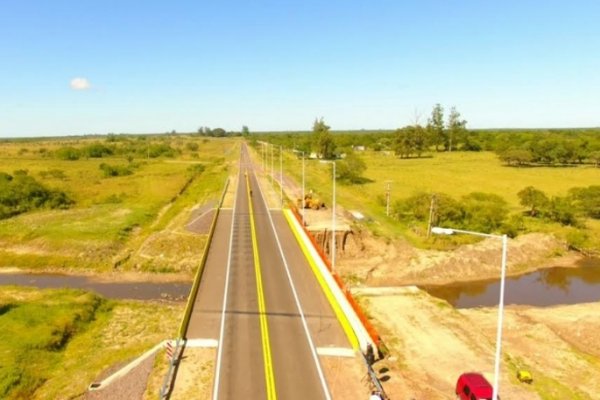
pixel 455 174
pixel 54 343
pixel 109 214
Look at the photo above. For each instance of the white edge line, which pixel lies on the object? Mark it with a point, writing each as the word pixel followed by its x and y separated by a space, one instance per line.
pixel 303 318
pixel 225 295
pixel 203 343
pixel 336 352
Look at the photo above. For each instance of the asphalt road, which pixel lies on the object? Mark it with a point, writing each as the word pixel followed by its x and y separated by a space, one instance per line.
pixel 262 304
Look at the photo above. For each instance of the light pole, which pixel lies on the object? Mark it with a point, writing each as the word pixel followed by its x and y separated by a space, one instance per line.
pixel 333 219
pixel 281 174
pixel 272 173
pixel 449 231
pixel 303 180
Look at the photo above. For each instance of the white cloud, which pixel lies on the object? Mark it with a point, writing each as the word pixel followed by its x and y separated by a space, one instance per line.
pixel 80 84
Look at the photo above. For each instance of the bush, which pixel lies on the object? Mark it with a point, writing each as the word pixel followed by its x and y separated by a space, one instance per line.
pixel 351 168
pixel 115 170
pixel 158 150
pixel 21 193
pixel 192 146
pixel 68 153
pixel 481 212
pixel 561 210
pixel 54 173
pixel 577 239
pixel 97 150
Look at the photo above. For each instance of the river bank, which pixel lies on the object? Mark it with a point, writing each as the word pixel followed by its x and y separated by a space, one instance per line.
pixel 432 343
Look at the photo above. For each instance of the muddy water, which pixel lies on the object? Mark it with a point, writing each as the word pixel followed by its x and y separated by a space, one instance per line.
pixel 547 287
pixel 172 291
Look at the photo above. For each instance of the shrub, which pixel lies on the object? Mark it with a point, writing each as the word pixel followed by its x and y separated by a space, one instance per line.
pixel 68 153
pixel 21 193
pixel 54 173
pixel 97 150
pixel 192 146
pixel 115 170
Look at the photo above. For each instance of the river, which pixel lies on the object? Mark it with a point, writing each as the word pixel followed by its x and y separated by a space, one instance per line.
pixel 546 287
pixel 171 291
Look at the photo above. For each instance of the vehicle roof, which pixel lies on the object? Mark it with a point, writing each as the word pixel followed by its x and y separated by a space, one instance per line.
pixel 478 384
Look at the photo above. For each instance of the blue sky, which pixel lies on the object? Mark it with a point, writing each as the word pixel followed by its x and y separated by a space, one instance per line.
pixel 155 66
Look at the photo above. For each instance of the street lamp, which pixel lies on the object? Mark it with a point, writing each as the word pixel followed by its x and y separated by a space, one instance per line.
pixel 449 231
pixel 281 174
pixel 303 180
pixel 333 218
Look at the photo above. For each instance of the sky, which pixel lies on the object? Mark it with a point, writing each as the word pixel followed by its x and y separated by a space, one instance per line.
pixel 96 67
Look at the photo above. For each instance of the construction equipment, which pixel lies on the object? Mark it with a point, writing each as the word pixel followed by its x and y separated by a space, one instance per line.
pixel 310 202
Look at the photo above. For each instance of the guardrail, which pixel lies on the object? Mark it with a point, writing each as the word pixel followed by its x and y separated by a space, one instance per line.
pixel 166 388
pixel 167 385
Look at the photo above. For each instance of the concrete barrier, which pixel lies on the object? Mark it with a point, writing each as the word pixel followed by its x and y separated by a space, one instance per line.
pixel 357 334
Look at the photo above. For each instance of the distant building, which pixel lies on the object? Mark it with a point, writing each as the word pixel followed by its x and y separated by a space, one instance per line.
pixel 358 148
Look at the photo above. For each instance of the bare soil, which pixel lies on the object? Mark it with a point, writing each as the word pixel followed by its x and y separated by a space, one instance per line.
pixel 432 344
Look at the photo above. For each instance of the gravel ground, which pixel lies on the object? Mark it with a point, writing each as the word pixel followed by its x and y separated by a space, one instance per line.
pixel 129 387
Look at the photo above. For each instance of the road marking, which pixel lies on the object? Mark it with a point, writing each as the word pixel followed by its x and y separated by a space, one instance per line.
pixel 299 307
pixel 264 327
pixel 226 291
pixel 204 343
pixel 336 352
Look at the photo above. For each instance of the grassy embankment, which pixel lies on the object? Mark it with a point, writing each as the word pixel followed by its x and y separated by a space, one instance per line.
pixel 112 217
pixel 455 174
pixel 53 343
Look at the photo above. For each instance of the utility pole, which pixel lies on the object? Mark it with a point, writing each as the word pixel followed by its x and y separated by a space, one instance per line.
pixel 387 198
pixel 272 146
pixel 431 208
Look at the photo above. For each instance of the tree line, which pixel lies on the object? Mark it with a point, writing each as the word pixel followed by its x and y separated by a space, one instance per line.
pixel 486 212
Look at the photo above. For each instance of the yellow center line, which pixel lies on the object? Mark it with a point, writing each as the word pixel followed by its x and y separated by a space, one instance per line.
pixel 264 327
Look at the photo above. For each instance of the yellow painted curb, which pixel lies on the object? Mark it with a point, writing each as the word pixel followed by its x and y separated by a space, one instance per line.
pixel 339 313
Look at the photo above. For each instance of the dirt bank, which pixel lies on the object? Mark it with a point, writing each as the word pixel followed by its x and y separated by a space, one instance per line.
pixel 432 343
pixel 375 262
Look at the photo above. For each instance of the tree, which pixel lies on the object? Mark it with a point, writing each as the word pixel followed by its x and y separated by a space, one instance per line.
pixel 484 212
pixel 561 210
pixel 595 157
pixel 410 140
pixel 351 168
pixel 245 131
pixel 435 126
pixel 323 140
pixel 456 127
pixel 516 156
pixel 587 200
pixel 534 199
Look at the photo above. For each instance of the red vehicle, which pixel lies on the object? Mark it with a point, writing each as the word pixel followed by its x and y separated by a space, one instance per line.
pixel 473 386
